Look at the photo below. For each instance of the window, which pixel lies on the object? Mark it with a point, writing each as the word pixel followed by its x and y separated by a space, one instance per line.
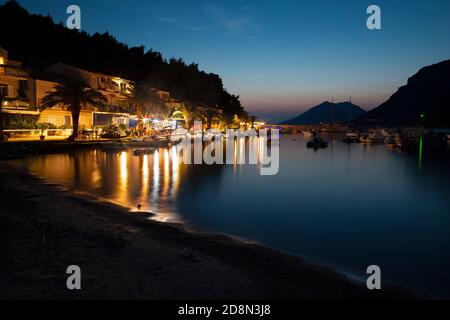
pixel 120 120
pixel 67 120
pixel 23 88
pixel 2 61
pixel 3 90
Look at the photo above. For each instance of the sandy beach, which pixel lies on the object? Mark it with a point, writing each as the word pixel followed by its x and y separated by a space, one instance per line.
pixel 124 255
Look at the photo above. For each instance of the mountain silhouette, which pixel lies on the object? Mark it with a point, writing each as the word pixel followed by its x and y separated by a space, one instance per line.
pixel 327 112
pixel 425 99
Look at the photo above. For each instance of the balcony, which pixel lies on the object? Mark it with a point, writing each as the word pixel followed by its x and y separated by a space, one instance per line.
pixel 122 108
pixel 13 71
pixel 15 104
pixel 111 87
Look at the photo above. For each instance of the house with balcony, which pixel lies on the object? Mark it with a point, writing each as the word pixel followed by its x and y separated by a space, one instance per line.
pixel 59 116
pixel 22 91
pixel 118 109
pixel 16 88
pixel 165 98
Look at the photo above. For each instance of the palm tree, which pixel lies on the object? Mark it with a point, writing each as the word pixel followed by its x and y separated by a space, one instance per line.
pixel 188 112
pixel 210 114
pixel 140 95
pixel 165 113
pixel 243 118
pixel 147 101
pixel 156 105
pixel 73 94
pixel 252 119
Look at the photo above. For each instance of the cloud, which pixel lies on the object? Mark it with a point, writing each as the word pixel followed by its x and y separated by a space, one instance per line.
pixel 213 17
pixel 185 22
pixel 232 22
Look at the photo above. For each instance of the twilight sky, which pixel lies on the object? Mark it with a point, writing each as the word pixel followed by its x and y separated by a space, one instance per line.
pixel 280 56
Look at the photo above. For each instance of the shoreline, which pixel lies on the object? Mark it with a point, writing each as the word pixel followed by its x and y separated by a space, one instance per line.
pixel 124 255
pixel 21 149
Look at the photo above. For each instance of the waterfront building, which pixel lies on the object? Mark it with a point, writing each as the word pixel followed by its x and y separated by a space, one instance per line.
pixel 118 109
pixel 22 91
pixel 16 88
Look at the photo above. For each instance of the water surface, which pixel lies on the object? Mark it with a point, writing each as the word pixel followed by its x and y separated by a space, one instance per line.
pixel 348 206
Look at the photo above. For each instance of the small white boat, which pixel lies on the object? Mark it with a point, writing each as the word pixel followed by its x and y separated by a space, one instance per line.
pixel 373 138
pixel 386 132
pixel 351 137
pixel 307 134
pixel 179 134
pixel 162 138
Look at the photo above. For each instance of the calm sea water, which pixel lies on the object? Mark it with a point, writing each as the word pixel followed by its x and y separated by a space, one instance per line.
pixel 347 207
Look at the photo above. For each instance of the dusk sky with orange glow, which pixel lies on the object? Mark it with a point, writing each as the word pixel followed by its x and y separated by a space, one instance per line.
pixel 280 59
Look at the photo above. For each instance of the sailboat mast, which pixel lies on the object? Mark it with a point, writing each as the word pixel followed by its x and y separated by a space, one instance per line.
pixel 332 110
pixel 350 111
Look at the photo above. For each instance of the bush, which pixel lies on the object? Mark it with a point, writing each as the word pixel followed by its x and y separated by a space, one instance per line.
pixel 21 121
pixel 47 125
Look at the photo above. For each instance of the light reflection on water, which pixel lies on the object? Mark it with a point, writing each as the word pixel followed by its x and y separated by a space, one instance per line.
pixel 345 206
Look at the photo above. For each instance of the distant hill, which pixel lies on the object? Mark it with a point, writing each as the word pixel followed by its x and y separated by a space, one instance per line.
pixel 426 93
pixel 327 112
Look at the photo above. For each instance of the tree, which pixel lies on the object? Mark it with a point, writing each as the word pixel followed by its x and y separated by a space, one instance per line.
pixel 103 53
pixel 73 94
pixel 210 114
pixel 188 112
pixel 244 118
pixel 156 105
pixel 140 95
pixel 252 119
pixel 147 101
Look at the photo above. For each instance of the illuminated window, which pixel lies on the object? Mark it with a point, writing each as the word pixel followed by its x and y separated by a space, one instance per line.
pixel 2 61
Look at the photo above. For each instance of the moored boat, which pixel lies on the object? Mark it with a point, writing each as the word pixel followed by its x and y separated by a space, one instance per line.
pixel 373 138
pixel 352 137
pixel 307 133
pixel 333 128
pixel 317 143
